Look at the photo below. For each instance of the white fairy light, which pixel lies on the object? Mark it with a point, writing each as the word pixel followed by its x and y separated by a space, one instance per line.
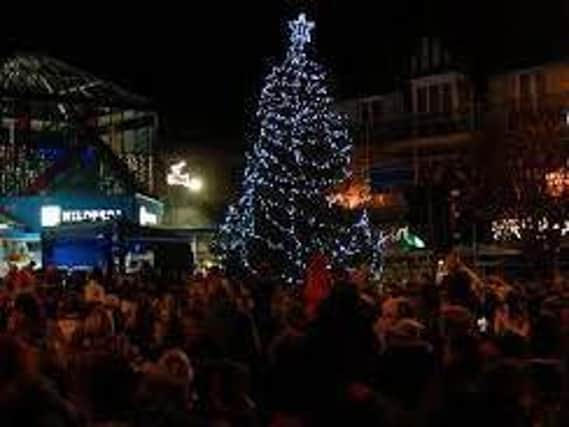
pixel 301 152
pixel 300 31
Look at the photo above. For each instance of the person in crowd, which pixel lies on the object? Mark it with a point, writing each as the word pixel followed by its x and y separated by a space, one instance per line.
pixel 237 349
pixel 160 401
pixel 26 397
pixel 94 292
pixel 27 320
pixel 176 364
pixel 103 388
pixel 512 318
pixel 227 395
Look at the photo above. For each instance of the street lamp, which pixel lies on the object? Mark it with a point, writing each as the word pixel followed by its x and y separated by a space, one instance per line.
pixel 195 184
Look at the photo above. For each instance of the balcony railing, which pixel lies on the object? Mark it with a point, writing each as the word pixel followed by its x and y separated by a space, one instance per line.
pixel 510 115
pixel 425 125
pixel 517 114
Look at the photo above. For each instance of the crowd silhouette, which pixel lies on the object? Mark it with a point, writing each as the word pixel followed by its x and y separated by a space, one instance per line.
pixel 245 350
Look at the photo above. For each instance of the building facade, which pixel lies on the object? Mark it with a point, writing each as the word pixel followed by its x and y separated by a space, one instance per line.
pixel 417 140
pixel 74 149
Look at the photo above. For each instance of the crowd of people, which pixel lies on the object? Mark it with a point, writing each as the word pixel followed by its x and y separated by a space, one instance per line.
pixel 235 350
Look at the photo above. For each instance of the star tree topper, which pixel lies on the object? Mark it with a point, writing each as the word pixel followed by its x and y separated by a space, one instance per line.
pixel 300 31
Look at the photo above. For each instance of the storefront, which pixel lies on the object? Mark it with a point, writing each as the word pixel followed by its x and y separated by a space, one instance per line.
pixel 39 212
pixel 77 153
pixel 33 216
pixel 120 245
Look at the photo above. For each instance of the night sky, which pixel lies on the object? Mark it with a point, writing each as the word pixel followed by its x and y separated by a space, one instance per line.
pixel 203 64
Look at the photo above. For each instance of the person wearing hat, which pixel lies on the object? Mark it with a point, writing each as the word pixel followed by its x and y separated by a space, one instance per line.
pixel 94 293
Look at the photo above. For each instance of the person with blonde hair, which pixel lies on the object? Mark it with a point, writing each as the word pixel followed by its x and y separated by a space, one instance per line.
pixel 175 364
pixel 94 293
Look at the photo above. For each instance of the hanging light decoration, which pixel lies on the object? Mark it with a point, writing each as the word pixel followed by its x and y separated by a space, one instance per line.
pixel 357 194
pixel 557 182
pixel 353 194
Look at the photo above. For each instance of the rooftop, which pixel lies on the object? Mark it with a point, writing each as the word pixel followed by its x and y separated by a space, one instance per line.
pixel 40 77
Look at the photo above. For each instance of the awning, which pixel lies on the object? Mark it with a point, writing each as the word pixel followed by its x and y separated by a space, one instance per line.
pixel 10 229
pixel 6 221
pixel 127 231
pixel 17 235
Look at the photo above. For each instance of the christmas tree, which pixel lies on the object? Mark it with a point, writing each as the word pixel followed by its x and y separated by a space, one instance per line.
pixel 302 150
pixel 361 244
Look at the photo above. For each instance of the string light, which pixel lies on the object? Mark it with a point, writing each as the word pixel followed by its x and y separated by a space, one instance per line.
pixel 302 150
pixel 513 228
pixel 362 243
pixel 557 182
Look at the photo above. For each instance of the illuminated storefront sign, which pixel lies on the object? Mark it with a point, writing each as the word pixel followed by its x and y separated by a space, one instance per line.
pixel 52 216
pixel 147 218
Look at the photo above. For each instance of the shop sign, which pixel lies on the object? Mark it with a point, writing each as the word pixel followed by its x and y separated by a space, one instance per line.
pixel 147 218
pixel 52 216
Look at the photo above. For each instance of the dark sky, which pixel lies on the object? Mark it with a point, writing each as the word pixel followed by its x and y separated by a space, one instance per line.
pixel 203 64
